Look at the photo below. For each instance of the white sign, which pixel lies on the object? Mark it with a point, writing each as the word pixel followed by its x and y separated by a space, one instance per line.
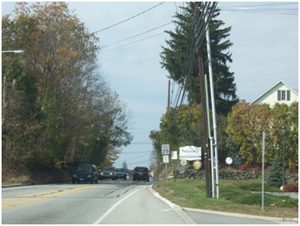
pixel 165 159
pixel 229 160
pixel 174 155
pixel 190 153
pixel 165 149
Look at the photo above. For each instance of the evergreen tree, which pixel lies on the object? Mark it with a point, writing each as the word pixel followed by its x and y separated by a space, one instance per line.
pixel 179 58
pixel 274 175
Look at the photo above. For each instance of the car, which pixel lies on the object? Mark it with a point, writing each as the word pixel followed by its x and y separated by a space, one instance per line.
pixel 108 173
pixel 141 173
pixel 85 173
pixel 120 173
pixel 151 178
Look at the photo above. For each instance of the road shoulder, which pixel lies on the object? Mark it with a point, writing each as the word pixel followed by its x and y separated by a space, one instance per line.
pixel 180 211
pixel 186 218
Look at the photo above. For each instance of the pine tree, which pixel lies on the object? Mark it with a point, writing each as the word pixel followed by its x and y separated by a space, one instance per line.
pixel 274 175
pixel 180 59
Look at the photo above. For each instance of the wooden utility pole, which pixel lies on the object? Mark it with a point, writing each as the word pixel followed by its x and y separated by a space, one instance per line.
pixel 169 84
pixel 205 128
pixel 203 13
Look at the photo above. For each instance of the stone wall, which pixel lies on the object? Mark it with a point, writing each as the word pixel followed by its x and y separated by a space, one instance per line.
pixel 231 175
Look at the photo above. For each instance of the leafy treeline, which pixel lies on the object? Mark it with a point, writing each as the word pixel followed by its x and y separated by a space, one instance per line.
pixel 57 109
pixel 239 124
pixel 241 131
pixel 246 123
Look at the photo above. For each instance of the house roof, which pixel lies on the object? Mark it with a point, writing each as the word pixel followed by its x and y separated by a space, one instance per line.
pixel 277 83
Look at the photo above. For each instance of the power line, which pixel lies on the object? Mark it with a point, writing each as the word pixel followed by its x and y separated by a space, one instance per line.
pixel 123 21
pixel 132 42
pixel 266 8
pixel 134 36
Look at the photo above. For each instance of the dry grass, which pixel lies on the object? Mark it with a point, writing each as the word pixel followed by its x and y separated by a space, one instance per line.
pixel 234 197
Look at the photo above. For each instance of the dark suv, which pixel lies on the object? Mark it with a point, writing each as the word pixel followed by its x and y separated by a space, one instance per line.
pixel 141 173
pixel 85 173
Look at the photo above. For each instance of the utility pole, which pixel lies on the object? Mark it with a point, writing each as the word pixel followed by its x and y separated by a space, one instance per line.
pixel 205 127
pixel 203 13
pixel 213 108
pixel 169 84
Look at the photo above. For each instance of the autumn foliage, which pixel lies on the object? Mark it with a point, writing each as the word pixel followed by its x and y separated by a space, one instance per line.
pixel 57 108
pixel 246 124
pixel 290 188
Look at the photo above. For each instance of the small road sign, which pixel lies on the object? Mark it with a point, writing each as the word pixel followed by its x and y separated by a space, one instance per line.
pixel 165 149
pixel 165 159
pixel 237 159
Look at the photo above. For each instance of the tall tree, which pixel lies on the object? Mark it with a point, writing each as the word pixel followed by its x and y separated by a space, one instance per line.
pixel 180 60
pixel 61 110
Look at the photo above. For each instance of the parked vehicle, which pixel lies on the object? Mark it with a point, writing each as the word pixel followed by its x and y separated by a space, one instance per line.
pixel 121 174
pixel 108 173
pixel 85 173
pixel 141 173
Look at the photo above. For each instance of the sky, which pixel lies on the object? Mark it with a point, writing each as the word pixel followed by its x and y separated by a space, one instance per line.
pixel 264 51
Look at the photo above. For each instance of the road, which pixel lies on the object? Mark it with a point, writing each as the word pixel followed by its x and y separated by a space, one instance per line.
pixel 108 202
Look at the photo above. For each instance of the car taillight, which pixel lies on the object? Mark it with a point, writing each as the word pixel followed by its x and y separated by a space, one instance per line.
pixel 134 172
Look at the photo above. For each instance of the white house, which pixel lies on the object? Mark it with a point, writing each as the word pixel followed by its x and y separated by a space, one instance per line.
pixel 278 93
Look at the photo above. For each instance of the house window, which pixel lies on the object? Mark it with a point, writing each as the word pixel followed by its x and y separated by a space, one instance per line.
pixel 284 95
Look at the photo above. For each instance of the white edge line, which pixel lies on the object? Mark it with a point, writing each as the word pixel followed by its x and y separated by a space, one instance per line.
pixel 113 207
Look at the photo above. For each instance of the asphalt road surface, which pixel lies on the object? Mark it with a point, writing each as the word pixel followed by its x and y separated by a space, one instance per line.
pixel 108 202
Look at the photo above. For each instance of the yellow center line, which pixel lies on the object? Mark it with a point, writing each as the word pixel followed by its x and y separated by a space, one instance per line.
pixel 21 200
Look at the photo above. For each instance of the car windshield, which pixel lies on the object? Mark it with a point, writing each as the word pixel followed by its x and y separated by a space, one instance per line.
pixel 108 169
pixel 84 168
pixel 120 170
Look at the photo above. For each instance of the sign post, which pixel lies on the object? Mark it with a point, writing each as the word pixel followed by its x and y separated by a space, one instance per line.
pixel 174 157
pixel 263 171
pixel 165 151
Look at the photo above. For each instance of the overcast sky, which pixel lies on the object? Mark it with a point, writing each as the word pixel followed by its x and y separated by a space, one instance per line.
pixel 264 51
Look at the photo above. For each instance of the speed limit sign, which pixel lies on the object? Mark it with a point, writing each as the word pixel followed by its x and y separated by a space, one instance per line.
pixel 165 149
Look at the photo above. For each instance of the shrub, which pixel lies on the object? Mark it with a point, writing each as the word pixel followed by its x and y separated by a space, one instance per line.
pixel 291 187
pixel 274 175
pixel 243 167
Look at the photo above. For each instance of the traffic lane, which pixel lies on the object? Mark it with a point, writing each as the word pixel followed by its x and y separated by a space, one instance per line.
pixel 140 207
pixel 211 218
pixel 80 207
pixel 19 190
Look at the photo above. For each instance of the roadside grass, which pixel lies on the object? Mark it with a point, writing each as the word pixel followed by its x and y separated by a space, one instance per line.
pixel 235 196
pixel 15 180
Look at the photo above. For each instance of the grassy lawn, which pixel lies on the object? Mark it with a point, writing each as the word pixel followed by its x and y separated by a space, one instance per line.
pixel 235 196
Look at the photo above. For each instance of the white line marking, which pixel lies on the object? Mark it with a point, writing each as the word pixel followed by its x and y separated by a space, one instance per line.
pixel 113 207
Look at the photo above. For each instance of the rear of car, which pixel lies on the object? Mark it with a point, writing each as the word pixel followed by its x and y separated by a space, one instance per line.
pixel 140 173
pixel 85 173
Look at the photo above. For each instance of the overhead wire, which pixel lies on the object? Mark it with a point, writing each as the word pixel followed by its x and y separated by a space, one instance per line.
pixel 137 35
pixel 130 18
pixel 140 40
pixel 229 9
pixel 267 8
